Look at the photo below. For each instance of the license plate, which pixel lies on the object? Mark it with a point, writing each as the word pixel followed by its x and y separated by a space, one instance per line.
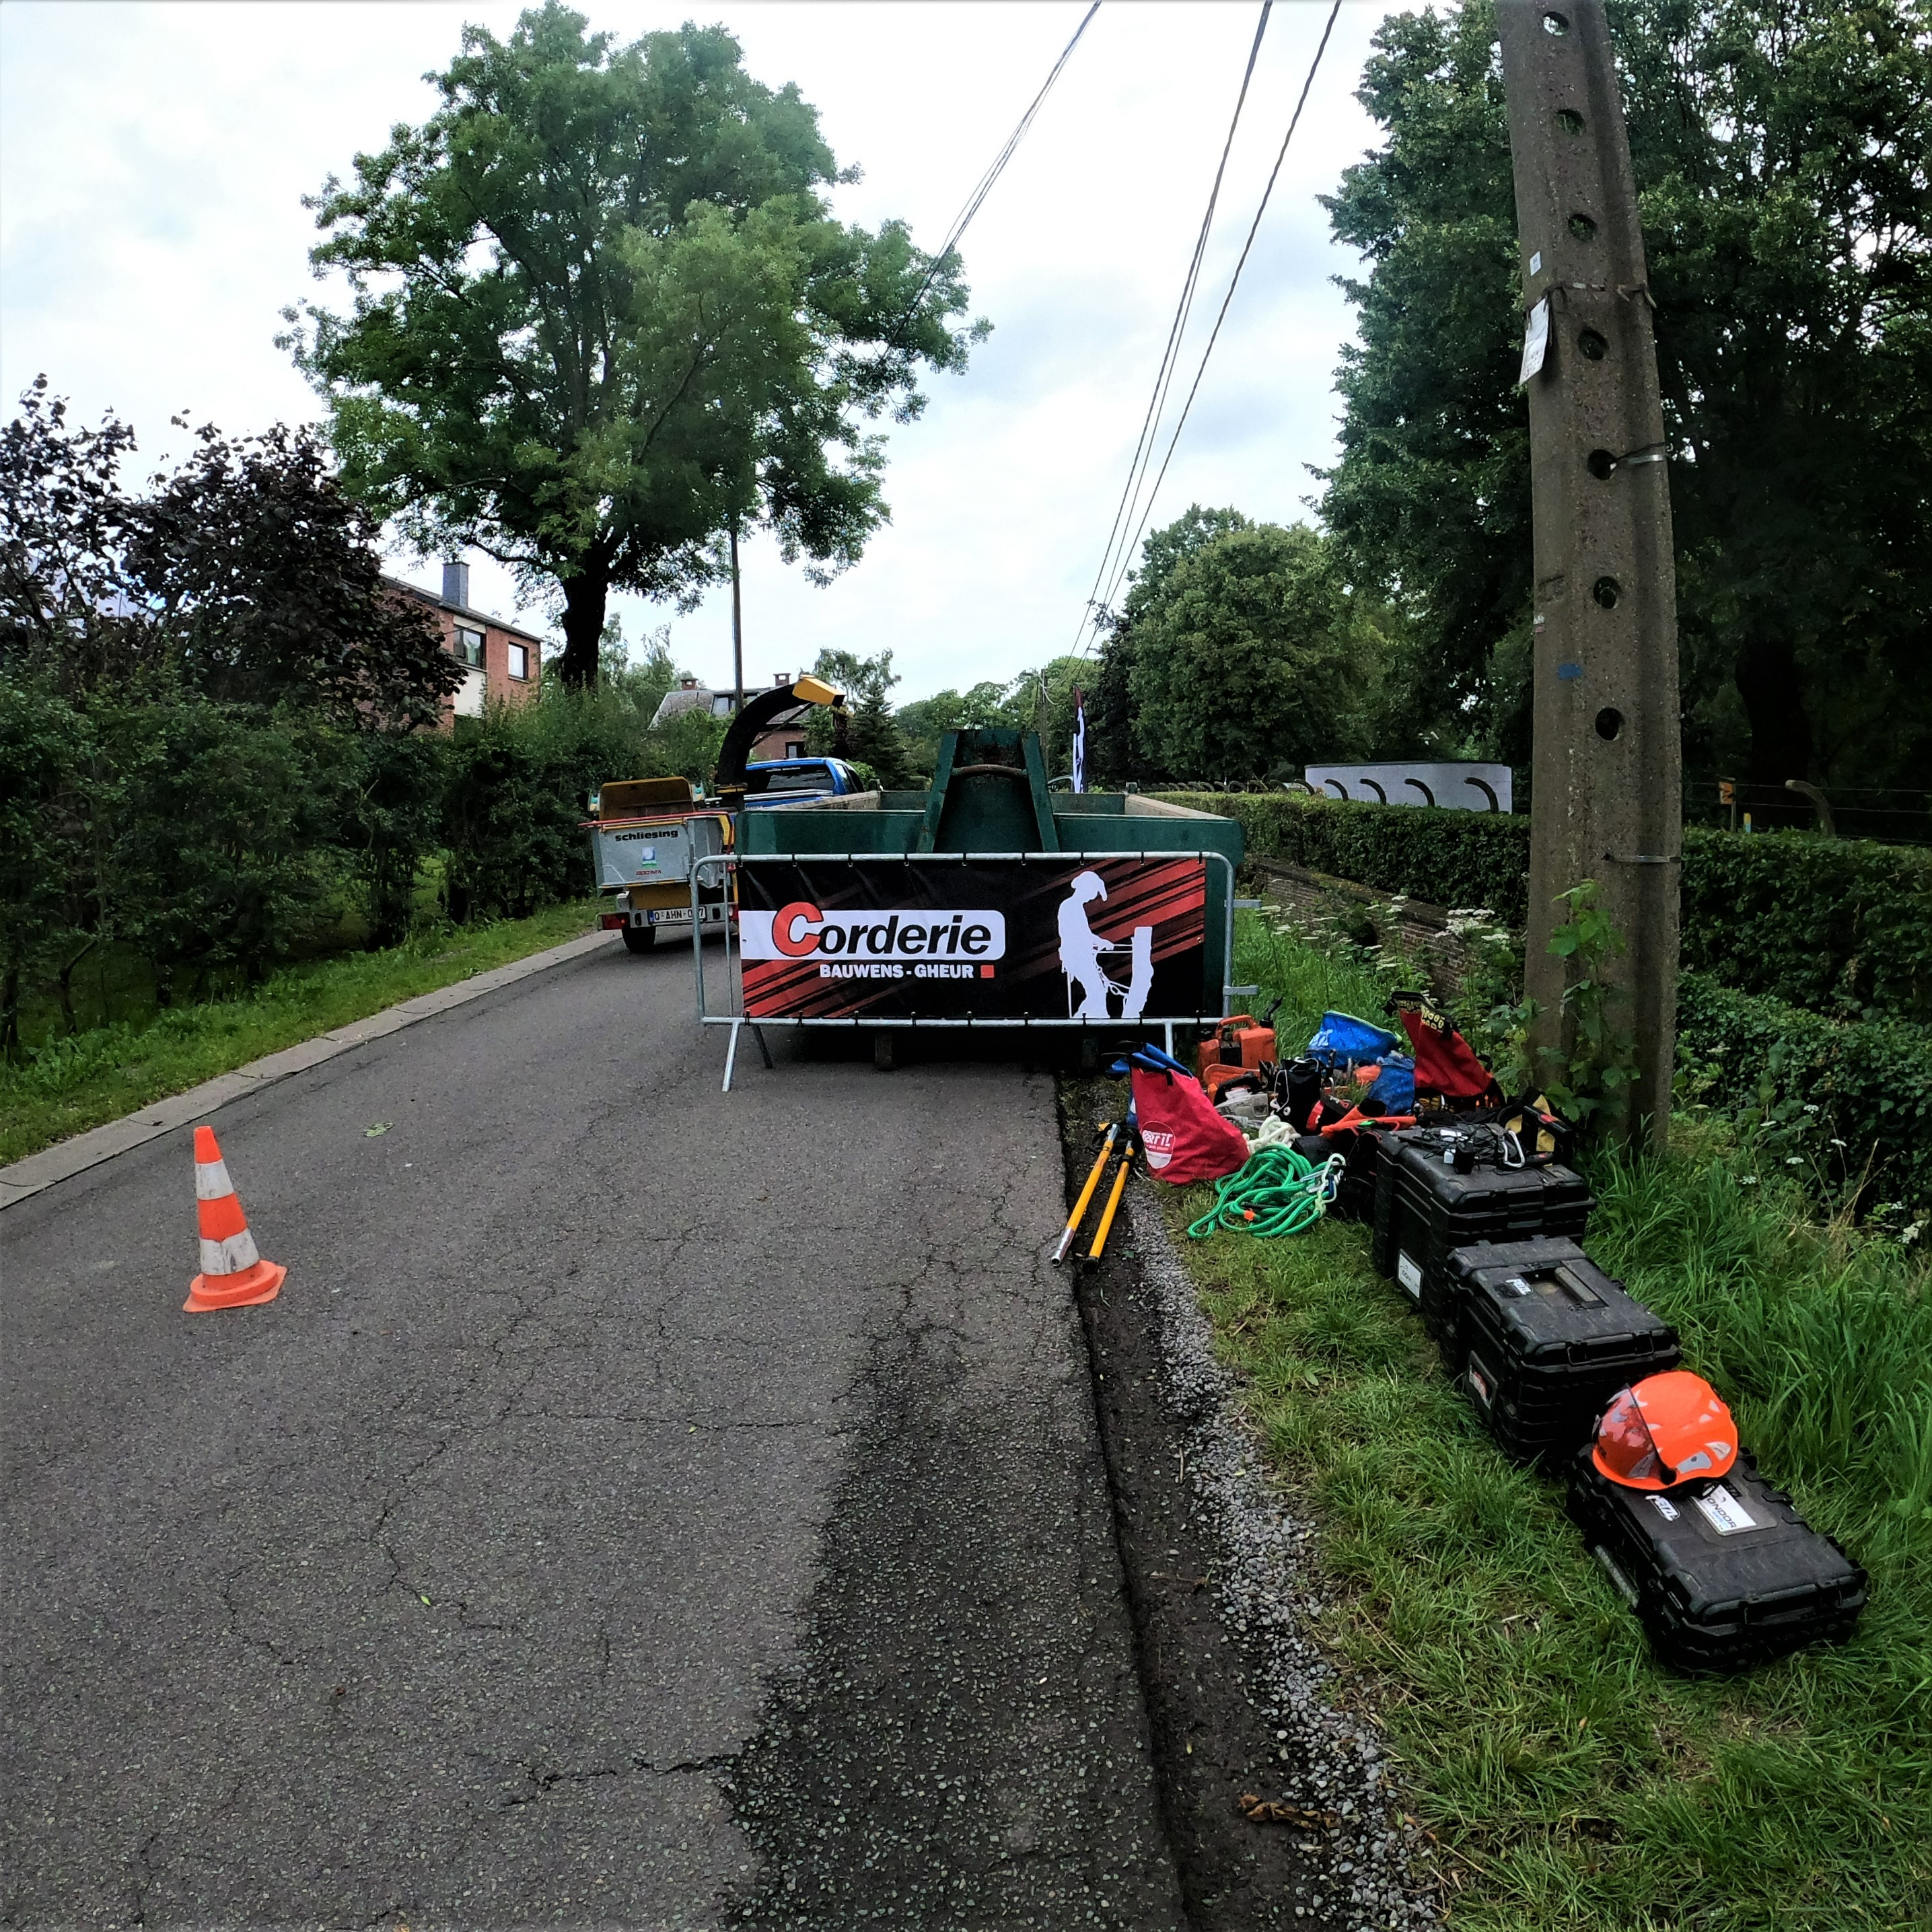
pixel 670 916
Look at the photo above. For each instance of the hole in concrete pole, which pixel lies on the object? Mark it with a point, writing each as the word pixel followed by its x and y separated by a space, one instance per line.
pixel 1606 590
pixel 1569 120
pixel 1609 722
pixel 1593 345
pixel 1601 462
pixel 1555 23
pixel 1582 227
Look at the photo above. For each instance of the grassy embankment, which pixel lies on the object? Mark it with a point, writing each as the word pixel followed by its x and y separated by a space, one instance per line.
pixel 1570 1780
pixel 105 1072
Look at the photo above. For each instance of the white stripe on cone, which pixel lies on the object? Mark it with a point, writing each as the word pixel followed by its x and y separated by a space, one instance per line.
pixel 210 1181
pixel 232 1256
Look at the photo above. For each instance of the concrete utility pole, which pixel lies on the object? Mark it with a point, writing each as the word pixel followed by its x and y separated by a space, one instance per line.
pixel 1607 765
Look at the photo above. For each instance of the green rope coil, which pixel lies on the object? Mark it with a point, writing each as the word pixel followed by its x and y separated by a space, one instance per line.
pixel 1276 1191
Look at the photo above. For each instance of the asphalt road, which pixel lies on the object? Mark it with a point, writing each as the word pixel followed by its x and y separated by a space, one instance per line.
pixel 644 1506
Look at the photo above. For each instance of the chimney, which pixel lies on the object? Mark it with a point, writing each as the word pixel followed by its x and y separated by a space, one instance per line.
pixel 456 583
pixel 687 684
pixel 783 678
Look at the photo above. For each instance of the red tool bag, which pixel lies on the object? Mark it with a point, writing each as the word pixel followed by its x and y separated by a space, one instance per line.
pixel 1184 1138
pixel 1445 1061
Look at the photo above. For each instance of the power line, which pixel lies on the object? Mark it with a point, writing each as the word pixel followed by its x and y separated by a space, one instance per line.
pixel 1295 121
pixel 1164 376
pixel 973 201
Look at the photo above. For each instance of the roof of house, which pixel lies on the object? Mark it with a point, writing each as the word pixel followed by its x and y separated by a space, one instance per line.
pixel 435 602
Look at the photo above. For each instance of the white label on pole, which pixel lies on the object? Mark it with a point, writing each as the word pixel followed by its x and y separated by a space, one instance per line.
pixel 1535 340
pixel 1536 263
pixel 1724 1512
pixel 1409 1272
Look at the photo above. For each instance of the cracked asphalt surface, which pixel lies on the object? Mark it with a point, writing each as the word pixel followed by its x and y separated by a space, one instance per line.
pixel 644 1506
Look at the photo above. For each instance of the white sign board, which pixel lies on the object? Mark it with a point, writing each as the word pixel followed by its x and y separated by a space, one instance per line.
pixel 1535 341
pixel 1460 788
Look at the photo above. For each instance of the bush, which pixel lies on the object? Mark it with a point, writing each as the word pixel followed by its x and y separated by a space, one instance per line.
pixel 1836 925
pixel 1851 1101
pixel 1448 858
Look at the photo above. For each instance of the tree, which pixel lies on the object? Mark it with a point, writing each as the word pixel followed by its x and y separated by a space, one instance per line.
pixel 601 314
pixel 63 521
pixel 263 582
pixel 927 720
pixel 1243 665
pixel 1116 753
pixel 867 733
pixel 1779 147
pixel 246 576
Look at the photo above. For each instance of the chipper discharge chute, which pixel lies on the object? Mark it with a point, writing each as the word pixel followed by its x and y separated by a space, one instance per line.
pixel 648 833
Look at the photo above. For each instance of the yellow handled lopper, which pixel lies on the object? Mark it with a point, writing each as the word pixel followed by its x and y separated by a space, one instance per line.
pixel 1087 1192
pixel 1113 1204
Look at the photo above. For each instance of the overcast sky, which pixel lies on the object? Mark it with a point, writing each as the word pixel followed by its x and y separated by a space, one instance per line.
pixel 153 158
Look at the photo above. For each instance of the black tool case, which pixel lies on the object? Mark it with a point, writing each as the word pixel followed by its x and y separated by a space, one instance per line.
pixel 1546 1339
pixel 1361 1153
pixel 1425 1208
pixel 1722 1574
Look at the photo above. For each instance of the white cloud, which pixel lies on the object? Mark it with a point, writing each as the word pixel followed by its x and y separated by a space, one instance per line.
pixel 153 160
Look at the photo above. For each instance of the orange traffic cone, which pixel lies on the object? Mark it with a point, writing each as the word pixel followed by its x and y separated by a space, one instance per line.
pixel 233 1274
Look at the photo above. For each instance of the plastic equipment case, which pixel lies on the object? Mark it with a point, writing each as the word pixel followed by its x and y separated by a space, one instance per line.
pixel 1547 1338
pixel 1425 1208
pixel 1361 1153
pixel 1722 1574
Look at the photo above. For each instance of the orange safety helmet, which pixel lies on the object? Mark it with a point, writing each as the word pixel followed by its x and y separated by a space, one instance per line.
pixel 1664 1430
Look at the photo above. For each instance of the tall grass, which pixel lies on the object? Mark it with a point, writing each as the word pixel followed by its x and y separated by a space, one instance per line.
pixel 1570 1780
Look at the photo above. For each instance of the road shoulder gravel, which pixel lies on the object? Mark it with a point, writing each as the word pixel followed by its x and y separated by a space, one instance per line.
pixel 1224 1584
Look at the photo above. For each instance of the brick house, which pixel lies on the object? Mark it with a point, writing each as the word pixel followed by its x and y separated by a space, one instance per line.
pixel 503 662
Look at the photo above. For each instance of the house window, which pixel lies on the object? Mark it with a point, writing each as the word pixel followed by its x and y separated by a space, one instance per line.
pixel 520 662
pixel 470 646
pixel 794 748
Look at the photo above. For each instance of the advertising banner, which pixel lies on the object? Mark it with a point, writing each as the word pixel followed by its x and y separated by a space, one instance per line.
pixel 907 937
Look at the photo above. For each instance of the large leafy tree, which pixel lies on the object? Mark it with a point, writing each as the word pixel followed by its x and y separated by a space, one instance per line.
pixel 1780 151
pixel 601 315
pixel 1116 750
pixel 245 575
pixel 1246 663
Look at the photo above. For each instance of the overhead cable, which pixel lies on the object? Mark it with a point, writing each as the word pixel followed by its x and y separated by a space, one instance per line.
pixel 1127 555
pixel 1164 376
pixel 963 219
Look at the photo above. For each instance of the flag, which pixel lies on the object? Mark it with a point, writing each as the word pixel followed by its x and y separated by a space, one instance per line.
pixel 1079 741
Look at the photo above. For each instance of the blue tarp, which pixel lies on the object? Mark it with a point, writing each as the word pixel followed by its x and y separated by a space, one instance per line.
pixel 1341 1040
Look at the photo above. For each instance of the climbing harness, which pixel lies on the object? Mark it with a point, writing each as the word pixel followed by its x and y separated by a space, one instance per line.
pixel 1278 1192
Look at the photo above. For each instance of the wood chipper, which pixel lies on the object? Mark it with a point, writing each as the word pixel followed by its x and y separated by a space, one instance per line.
pixel 986 901
pixel 648 833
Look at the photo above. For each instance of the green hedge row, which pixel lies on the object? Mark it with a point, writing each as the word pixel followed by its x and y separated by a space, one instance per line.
pixel 1850 1100
pixel 1837 926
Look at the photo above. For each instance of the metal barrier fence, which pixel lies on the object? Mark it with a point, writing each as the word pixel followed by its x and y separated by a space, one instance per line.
pixel 738 1020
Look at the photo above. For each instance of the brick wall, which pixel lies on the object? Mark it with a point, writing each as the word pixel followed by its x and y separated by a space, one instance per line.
pixel 1422 929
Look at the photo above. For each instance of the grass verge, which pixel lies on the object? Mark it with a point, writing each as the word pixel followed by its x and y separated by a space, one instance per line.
pixel 1570 1780
pixel 77 1083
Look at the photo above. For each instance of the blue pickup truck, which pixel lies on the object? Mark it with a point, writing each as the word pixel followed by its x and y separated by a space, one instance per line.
pixel 775 781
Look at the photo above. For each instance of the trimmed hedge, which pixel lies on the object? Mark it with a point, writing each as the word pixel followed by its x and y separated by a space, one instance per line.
pixel 1448 858
pixel 1869 1082
pixel 1836 925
